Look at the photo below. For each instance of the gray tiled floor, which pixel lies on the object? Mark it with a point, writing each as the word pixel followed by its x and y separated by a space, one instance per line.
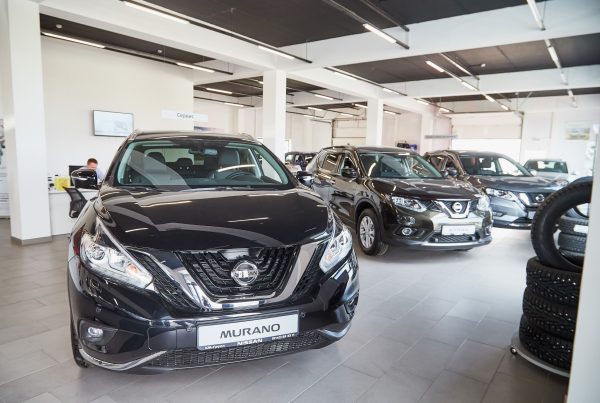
pixel 430 327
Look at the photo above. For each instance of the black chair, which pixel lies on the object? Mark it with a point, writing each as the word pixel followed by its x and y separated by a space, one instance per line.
pixel 77 202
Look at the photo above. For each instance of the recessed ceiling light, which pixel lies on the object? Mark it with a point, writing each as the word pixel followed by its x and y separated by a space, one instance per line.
pixel 218 90
pixel 277 52
pixel 68 38
pixel 156 12
pixel 482 65
pixel 159 51
pixel 193 66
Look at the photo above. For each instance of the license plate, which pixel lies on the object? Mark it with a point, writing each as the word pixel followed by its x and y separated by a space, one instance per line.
pixel 458 230
pixel 247 332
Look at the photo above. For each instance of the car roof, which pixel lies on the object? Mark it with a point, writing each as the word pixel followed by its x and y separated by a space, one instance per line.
pixel 151 135
pixel 370 149
pixel 300 152
pixel 546 159
pixel 468 152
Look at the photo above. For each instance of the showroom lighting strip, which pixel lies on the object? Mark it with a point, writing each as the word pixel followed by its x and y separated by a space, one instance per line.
pixel 237 104
pixel 379 33
pixel 425 102
pixel 193 66
pixel 351 76
pixel 536 14
pixel 361 106
pixel 554 56
pixel 218 90
pixel 390 112
pixel 70 39
pixel 312 108
pixel 185 19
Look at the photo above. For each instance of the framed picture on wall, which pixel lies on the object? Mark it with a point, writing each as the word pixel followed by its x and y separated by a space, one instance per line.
pixel 115 124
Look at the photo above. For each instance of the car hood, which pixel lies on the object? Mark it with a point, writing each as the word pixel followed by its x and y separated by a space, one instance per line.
pixel 212 219
pixel 515 183
pixel 428 189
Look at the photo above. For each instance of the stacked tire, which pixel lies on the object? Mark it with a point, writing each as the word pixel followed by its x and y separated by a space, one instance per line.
pixel 558 234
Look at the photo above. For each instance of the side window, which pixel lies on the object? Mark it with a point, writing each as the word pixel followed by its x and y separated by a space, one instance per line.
pixel 437 161
pixel 346 162
pixel 330 162
pixel 449 163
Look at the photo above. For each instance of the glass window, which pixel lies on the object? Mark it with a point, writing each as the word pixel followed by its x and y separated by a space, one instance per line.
pixel 492 165
pixel 397 165
pixel 181 163
pixel 437 161
pixel 347 162
pixel 330 162
pixel 548 166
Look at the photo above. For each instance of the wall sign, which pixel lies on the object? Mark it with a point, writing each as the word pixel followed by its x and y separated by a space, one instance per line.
pixel 196 117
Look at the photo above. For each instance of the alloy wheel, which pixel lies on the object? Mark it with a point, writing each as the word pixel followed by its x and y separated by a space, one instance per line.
pixel 367 232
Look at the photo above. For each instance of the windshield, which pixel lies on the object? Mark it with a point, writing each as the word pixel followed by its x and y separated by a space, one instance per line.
pixel 547 166
pixel 184 163
pixel 492 165
pixel 398 165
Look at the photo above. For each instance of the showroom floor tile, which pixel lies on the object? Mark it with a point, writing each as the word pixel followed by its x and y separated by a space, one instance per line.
pixel 430 327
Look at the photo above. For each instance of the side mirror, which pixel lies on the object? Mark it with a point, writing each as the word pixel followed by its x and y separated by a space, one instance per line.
pixel 349 173
pixel 452 172
pixel 305 178
pixel 85 178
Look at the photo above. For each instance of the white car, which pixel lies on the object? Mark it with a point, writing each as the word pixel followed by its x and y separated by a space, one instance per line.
pixel 553 169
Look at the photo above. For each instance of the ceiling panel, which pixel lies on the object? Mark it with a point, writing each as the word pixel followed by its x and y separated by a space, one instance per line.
pixel 251 86
pixel 288 22
pixel 69 28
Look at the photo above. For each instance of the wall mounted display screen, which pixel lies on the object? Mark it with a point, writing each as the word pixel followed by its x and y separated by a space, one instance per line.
pixel 113 123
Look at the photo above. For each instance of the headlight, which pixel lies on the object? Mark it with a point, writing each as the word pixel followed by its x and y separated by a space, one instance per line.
pixel 111 263
pixel 338 248
pixel 484 203
pixel 411 204
pixel 503 194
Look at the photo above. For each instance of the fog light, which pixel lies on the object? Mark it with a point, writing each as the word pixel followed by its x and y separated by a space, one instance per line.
pixel 407 231
pixel 94 333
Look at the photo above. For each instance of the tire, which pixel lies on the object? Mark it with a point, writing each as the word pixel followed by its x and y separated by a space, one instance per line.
pixel 567 225
pixel 553 350
pixel 571 243
pixel 546 219
pixel 558 286
pixel 79 360
pixel 368 228
pixel 556 319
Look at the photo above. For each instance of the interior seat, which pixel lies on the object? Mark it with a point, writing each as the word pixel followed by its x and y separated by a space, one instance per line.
pixel 228 159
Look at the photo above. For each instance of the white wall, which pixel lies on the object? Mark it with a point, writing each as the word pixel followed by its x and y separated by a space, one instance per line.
pixel 404 127
pixel 221 118
pixel 79 79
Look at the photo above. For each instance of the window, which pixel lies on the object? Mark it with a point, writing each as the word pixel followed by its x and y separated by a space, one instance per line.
pixel 330 162
pixel 397 165
pixel 183 163
pixel 347 163
pixel 437 161
pixel 492 165
pixel 548 166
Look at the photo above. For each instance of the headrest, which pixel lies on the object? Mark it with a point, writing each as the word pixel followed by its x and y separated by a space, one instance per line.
pixel 486 163
pixel 157 156
pixel 184 162
pixel 229 157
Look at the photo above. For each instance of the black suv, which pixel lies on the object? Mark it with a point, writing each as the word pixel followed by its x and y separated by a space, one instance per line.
pixel 393 196
pixel 515 194
pixel 202 250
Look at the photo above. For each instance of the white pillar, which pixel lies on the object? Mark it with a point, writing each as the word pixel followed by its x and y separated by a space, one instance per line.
pixel 24 123
pixel 273 118
pixel 583 383
pixel 374 122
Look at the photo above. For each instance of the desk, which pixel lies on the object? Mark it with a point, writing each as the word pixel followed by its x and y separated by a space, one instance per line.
pixel 60 222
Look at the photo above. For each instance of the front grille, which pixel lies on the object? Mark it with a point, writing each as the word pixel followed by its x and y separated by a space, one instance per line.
pixel 167 288
pixel 450 203
pixel 537 198
pixel 311 276
pixel 453 238
pixel 192 357
pixel 212 269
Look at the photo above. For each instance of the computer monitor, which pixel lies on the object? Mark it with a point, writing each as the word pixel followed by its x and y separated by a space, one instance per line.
pixel 71 169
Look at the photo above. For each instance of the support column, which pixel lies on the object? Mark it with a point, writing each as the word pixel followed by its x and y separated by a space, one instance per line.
pixel 24 122
pixel 273 118
pixel 374 122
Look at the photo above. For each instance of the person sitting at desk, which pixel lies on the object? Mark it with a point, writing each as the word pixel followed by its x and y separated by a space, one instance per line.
pixel 92 163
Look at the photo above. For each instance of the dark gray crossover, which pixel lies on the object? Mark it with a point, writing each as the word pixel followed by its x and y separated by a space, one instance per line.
pixel 202 250
pixel 514 192
pixel 392 196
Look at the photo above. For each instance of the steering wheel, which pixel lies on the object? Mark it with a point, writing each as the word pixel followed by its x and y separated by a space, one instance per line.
pixel 236 174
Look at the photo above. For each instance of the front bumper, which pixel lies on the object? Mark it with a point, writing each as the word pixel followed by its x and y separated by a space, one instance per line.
pixel 511 214
pixel 144 336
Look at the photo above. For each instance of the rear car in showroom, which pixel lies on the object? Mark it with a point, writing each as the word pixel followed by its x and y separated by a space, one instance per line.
pixel 515 194
pixel 202 250
pixel 392 196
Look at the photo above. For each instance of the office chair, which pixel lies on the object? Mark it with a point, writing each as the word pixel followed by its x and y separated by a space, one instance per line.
pixel 77 202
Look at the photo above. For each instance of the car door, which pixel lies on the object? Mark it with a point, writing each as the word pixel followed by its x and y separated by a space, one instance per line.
pixel 345 189
pixel 324 179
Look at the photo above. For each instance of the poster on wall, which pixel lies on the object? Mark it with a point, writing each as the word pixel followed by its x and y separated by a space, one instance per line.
pixel 4 209
pixel 577 130
pixel 115 124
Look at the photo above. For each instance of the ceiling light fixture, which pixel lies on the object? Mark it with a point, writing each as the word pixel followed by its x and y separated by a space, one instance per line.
pixel 234 104
pixel 570 92
pixel 277 52
pixel 307 116
pixel 156 12
pixel 506 108
pixel 435 66
pixel 323 97
pixel 536 14
pixel 68 38
pixel 422 102
pixel 345 114
pixel 379 33
pixel 218 90
pixel 312 108
pixel 489 98
pixel 361 106
pixel 553 54
pixel 444 110
pixel 344 75
pixel 469 86
pixel 193 66
pixel 390 112
pixel 390 91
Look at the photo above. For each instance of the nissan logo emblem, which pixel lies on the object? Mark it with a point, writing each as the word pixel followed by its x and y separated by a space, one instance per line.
pixel 244 273
pixel 457 207
pixel 539 198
